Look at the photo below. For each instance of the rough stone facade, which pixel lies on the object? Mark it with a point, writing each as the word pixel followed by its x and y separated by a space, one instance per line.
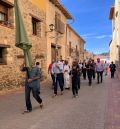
pixel 75 45
pixel 10 75
pixel 115 42
pixel 88 55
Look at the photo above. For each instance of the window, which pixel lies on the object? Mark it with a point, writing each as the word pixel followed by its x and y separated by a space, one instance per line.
pixel 116 14
pixel 3 53
pixel 3 16
pixel 6 13
pixel 36 27
pixel 2 49
pixel 76 48
pixel 69 48
pixel 69 33
pixel 59 25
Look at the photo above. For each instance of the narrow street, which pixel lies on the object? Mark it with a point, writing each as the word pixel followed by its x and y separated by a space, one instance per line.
pixel 92 110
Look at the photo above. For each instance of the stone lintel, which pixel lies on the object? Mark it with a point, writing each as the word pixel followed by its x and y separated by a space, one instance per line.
pixel 4 45
pixel 37 18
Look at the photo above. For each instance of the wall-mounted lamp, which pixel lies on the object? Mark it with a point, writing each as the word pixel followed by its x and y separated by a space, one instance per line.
pixel 52 27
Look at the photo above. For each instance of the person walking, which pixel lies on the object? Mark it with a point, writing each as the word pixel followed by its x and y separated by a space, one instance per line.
pixel 52 74
pixel 38 65
pixel 62 63
pixel 94 69
pixel 79 74
pixel 66 71
pixel 112 69
pixel 74 74
pixel 106 68
pixel 84 69
pixel 32 83
pixel 57 70
pixel 99 70
pixel 89 68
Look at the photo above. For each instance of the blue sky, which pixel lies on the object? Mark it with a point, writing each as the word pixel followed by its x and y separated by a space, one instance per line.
pixel 91 22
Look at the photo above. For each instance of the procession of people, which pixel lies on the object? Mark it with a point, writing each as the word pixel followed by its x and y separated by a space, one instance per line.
pixel 66 76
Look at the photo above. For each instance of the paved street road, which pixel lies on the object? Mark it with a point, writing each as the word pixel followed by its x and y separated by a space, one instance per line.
pixel 62 112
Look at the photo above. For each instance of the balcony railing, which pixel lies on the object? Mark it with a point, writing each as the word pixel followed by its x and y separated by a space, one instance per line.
pixel 6 23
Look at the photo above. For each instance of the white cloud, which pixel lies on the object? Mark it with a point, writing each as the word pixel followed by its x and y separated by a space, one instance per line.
pixel 95 36
pixel 103 36
pixel 89 34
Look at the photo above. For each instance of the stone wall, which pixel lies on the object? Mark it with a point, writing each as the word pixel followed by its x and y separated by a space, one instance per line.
pixel 10 75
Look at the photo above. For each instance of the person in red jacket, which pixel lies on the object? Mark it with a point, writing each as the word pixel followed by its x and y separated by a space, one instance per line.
pixel 51 73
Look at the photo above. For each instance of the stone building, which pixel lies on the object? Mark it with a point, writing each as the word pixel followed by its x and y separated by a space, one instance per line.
pixel 88 55
pixel 115 42
pixel 75 45
pixel 56 15
pixel 10 56
pixel 47 43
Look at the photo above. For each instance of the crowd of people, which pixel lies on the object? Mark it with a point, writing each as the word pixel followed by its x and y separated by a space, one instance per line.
pixel 65 76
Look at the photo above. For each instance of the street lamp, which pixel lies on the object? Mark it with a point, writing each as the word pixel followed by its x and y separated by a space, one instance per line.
pixel 51 27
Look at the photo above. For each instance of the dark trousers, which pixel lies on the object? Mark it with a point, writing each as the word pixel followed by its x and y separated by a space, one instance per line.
pixel 53 79
pixel 78 82
pixel 89 74
pixel 59 79
pixel 63 78
pixel 99 76
pixel 93 74
pixel 112 73
pixel 84 74
pixel 35 93
pixel 74 86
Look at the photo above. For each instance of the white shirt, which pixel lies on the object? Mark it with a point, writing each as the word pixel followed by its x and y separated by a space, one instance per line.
pixel 58 69
pixel 84 65
pixel 66 68
pixel 105 65
pixel 80 66
pixel 99 67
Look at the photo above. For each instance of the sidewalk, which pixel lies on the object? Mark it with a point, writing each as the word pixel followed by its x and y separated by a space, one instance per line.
pixel 113 106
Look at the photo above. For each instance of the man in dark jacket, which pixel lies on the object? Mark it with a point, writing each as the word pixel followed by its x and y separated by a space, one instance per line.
pixel 89 68
pixel 112 69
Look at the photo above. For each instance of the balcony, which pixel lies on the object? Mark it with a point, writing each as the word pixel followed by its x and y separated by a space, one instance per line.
pixel 6 23
pixel 59 26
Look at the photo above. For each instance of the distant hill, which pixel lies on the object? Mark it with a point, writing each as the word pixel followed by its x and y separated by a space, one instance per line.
pixel 104 54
